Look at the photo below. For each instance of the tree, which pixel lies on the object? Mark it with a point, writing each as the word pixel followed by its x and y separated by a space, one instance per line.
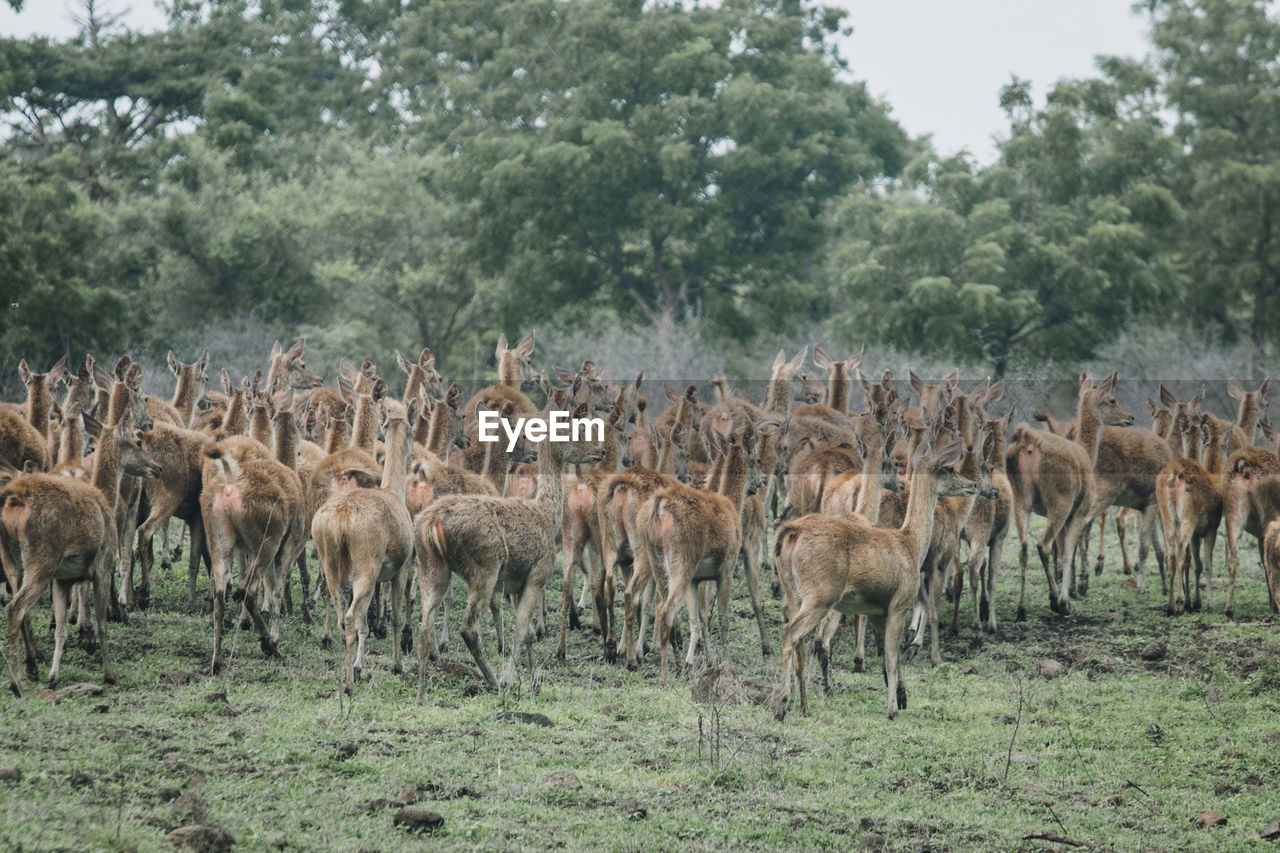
pixel 1220 65
pixel 52 305
pixel 1044 255
pixel 654 158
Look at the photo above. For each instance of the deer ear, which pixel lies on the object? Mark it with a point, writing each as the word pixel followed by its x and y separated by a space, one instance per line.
pixel 1198 398
pixel 203 364
pixel 1262 389
pixel 778 360
pixel 133 377
pixel 794 364
pixel 295 351
pixel 427 359
pixel 524 349
pixel 580 411
pixel 821 359
pixel 405 364
pixel 1234 391
pixel 1167 399
pixel 1152 407
pixel 24 372
pixel 851 363
pixel 92 425
pixel 670 394
pixel 453 396
pixel 917 384
pixel 226 382
pixel 379 390
pixel 691 393
pixel 502 345
pixel 346 369
pixel 174 364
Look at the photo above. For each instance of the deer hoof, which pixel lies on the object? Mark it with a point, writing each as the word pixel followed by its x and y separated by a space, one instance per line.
pixel 911 651
pixel 766 650
pixel 560 655
pixel 1230 613
pixel 406 641
pixel 326 643
pixel 574 623
pixel 238 595
pixel 142 598
pixel 15 689
pixel 902 698
pixel 859 665
pixel 269 649
pixel 610 653
pixel 53 682
pixel 245 624
pixel 1021 616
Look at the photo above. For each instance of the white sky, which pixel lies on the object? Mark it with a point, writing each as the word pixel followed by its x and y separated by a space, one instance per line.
pixel 939 63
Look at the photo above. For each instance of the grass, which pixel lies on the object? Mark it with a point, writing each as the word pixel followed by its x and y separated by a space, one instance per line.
pixel 1118 753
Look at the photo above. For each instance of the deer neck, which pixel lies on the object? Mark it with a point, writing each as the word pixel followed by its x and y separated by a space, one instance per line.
pixel 394 474
pixel 413 387
pixel 612 461
pixel 365 432
pixel 732 479
pixel 778 395
pixel 917 521
pixel 1247 416
pixel 71 439
pixel 1162 424
pixel 509 372
pixel 106 466
pixel 870 491
pixel 235 421
pixel 551 483
pixel 1088 426
pixel 184 396
pixel 285 438
pixel 260 425
pixel 426 431
pixel 838 389
pixel 118 407
pixel 38 405
pixel 339 435
pixel 1213 455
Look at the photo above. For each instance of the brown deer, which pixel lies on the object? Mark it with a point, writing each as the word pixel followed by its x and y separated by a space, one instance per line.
pixel 1053 477
pixel 176 493
pixel 364 537
pixel 621 497
pixel 846 564
pixel 1190 501
pixel 251 507
pixel 986 530
pixel 1247 472
pixel 494 543
pixel 835 401
pixel 514 369
pixel 424 380
pixel 879 474
pixel 286 369
pixel 696 535
pixel 57 531
pixel 192 380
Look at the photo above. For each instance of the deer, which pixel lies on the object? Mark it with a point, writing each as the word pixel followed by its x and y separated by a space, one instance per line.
pixel 986 529
pixel 192 378
pixel 424 380
pixel 1053 477
pixel 846 564
pixel 695 536
pixel 251 507
pixel 364 537
pixel 287 369
pixel 1190 501
pixel 1243 508
pixel 514 369
pixel 835 402
pixel 621 498
pixel 57 531
pixel 879 474
pixel 505 544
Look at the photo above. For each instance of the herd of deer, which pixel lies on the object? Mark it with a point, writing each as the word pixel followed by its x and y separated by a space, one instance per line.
pixel 875 504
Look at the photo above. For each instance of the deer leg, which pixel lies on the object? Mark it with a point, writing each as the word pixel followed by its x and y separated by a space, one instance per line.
pixel 697 625
pixel 1197 542
pixel 572 546
pixel 433 589
pixel 61 591
pixel 220 537
pixel 1020 521
pixel 751 560
pixel 101 606
pixel 860 643
pixel 1146 535
pixel 893 626
pixel 17 612
pixel 724 588
pixel 1122 530
pixel 822 644
pixel 806 619
pixel 163 505
pixel 1173 606
pixel 479 595
pixel 1210 542
pixel 957 592
pixel 934 606
pixel 1233 563
pixel 355 628
pixel 522 638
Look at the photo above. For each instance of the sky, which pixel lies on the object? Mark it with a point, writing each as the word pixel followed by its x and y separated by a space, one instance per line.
pixel 938 63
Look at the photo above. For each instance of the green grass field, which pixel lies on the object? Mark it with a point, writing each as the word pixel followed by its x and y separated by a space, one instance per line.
pixel 1119 752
